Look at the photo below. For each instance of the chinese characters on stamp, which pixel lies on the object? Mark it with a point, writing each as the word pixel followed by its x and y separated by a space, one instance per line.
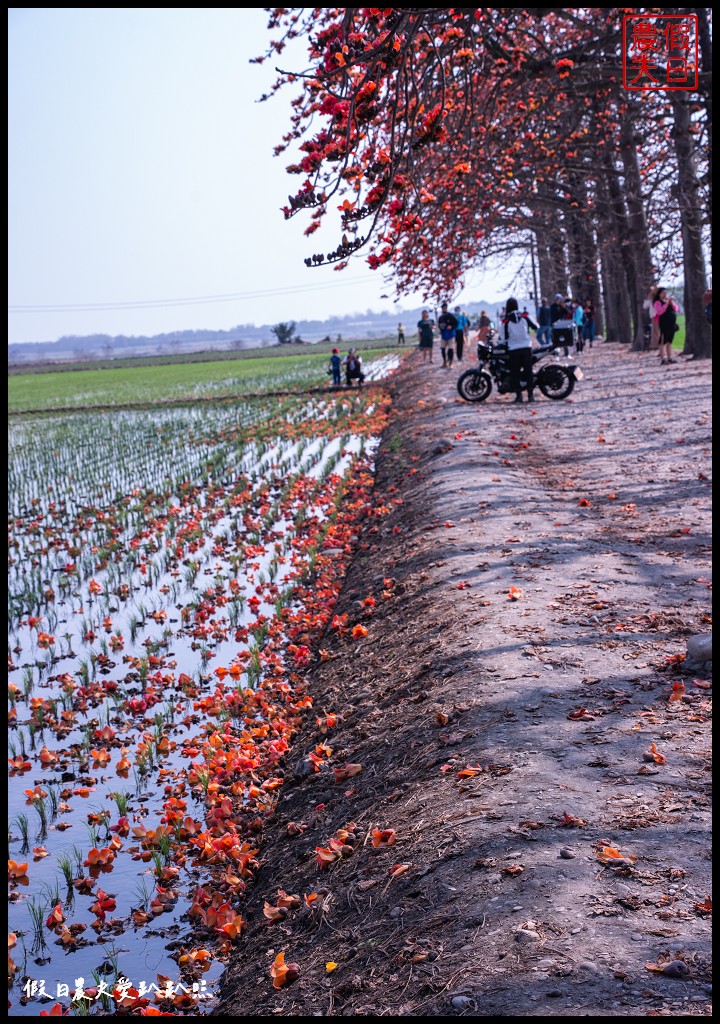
pixel 660 52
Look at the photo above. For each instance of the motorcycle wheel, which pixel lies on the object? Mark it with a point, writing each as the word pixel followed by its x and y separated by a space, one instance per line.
pixel 555 382
pixel 474 385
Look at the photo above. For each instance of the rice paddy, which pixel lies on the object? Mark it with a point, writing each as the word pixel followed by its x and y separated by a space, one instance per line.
pixel 170 573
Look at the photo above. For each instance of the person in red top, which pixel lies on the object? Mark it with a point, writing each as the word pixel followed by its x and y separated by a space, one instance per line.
pixel 665 315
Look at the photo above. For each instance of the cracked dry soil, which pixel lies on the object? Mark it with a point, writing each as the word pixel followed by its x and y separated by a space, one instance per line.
pixel 506 736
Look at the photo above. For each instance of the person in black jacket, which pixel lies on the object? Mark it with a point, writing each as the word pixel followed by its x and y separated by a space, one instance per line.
pixel 448 324
pixel 544 334
pixel 559 311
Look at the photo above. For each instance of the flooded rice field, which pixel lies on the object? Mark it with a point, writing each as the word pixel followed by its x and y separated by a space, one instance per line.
pixel 168 574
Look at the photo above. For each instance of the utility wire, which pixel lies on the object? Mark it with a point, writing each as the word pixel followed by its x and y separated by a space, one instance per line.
pixel 190 301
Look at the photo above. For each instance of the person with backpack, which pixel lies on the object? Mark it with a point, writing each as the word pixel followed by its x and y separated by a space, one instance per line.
pixel 448 324
pixel 665 314
pixel 514 331
pixel 353 368
pixel 463 325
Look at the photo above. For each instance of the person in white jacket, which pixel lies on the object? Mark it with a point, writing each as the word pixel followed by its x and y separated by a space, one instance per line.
pixel 514 329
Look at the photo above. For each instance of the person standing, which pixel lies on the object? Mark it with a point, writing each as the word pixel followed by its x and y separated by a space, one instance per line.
pixel 335 363
pixel 579 321
pixel 589 322
pixel 707 304
pixel 401 334
pixel 544 334
pixel 447 322
pixel 649 307
pixel 425 336
pixel 484 326
pixel 558 311
pixel 514 330
pixel 463 325
pixel 665 313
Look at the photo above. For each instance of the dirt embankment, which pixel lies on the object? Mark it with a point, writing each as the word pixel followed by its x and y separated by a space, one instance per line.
pixel 535 586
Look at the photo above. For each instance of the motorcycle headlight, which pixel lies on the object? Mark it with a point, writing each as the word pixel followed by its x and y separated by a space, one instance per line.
pixel 483 350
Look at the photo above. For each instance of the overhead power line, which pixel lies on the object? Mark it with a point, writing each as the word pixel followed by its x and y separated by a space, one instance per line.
pixel 90 307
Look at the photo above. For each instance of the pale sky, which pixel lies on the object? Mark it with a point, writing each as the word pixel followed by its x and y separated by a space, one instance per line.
pixel 142 177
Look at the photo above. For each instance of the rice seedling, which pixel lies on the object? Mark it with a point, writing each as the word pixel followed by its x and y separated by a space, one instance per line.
pixel 87 738
pixel 159 727
pixel 28 682
pixel 51 891
pixel 203 776
pixel 140 781
pixel 24 827
pixel 254 668
pixel 66 866
pixel 165 846
pixel 53 799
pixel 143 893
pixel 36 910
pixel 31 730
pixel 122 801
pixel 103 995
pixel 78 858
pixel 81 1007
pixel 191 574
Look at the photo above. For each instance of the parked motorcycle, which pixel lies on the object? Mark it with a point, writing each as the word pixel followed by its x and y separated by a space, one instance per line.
pixel 555 380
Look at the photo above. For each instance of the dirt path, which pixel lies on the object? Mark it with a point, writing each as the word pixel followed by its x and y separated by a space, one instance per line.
pixel 597 511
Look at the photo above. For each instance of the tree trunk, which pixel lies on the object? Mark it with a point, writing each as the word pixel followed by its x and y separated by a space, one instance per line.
pixel 617 264
pixel 583 250
pixel 545 265
pixel 556 240
pixel 698 334
pixel 705 41
pixel 642 277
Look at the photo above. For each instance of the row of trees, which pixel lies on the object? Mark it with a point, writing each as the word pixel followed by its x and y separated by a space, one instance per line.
pixel 447 138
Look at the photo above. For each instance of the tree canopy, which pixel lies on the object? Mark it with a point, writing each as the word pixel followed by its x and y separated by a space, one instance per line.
pixel 444 138
pixel 285 333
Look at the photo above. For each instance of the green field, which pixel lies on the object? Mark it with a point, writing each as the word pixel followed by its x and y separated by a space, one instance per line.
pixel 679 339
pixel 120 384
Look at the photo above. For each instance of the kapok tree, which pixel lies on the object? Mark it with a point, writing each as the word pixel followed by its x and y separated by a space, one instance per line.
pixel 443 136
